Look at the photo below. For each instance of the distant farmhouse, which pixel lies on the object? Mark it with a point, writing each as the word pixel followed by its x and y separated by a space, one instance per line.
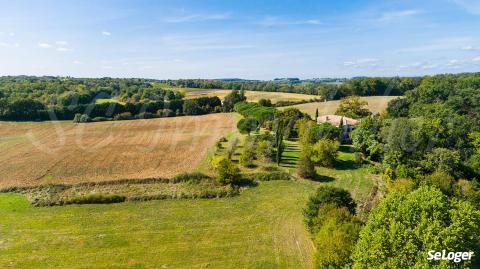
pixel 339 121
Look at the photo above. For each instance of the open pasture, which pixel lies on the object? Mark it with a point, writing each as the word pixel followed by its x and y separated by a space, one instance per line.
pixel 64 152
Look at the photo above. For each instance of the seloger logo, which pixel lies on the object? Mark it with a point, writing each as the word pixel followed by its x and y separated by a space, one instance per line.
pixel 449 256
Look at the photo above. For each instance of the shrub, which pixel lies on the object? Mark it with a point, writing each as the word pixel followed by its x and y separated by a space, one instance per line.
pixel 265 151
pixel 98 119
pixel 248 152
pixel 97 199
pixel 123 116
pixel 270 176
pixel 231 148
pixel 324 152
pixel 146 115
pixel 194 177
pixel 336 237
pixel 81 118
pixel 326 195
pixel 265 102
pixel 306 169
pixel 442 181
pixel 228 172
pixel 248 125
pixel 165 113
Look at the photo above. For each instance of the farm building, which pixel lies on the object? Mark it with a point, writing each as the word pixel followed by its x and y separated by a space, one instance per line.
pixel 340 121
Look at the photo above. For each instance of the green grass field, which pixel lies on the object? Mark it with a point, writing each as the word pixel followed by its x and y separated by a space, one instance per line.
pixel 106 100
pixel 261 228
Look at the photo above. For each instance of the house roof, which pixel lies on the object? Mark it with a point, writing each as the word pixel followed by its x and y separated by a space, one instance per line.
pixel 335 120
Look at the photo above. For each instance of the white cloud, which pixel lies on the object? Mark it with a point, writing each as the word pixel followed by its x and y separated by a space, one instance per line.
pixel 61 43
pixel 388 16
pixel 476 59
pixel 442 44
pixel 197 18
pixel 470 48
pixel 276 21
pixel 105 33
pixel 471 6
pixel 62 49
pixel 9 45
pixel 430 66
pixel 44 45
pixel 76 62
pixel 365 62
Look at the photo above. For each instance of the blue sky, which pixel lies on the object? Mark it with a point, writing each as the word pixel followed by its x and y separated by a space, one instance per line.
pixel 247 39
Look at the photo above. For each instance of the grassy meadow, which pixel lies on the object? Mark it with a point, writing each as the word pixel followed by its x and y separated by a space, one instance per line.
pixel 376 104
pixel 261 228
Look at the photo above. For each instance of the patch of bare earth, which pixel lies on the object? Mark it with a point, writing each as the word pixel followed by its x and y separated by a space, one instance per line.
pixel 63 152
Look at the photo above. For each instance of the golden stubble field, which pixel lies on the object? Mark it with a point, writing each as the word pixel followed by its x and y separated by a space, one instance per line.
pixel 252 96
pixel 64 152
pixel 376 104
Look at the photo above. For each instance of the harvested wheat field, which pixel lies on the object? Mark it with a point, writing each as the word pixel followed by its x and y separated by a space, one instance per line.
pixel 376 104
pixel 64 152
pixel 252 96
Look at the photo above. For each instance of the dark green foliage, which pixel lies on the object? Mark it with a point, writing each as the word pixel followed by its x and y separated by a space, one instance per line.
pixel 231 99
pixel 326 195
pixel 335 237
pixel 201 106
pixel 193 177
pixel 247 125
pixel 97 199
pixel 254 110
pixel 366 137
pixel 411 224
pixel 265 102
pixel 269 176
pixel 398 108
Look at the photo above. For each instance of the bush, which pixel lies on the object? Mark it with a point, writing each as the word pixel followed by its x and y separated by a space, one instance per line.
pixel 146 115
pixel 81 118
pixel 248 153
pixel 265 102
pixel 193 177
pixel 99 119
pixel 326 195
pixel 97 199
pixel 165 112
pixel 306 169
pixel 336 237
pixel 228 172
pixel 270 176
pixel 123 116
pixel 231 148
pixel 324 152
pixel 265 151
pixel 248 125
pixel 442 181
